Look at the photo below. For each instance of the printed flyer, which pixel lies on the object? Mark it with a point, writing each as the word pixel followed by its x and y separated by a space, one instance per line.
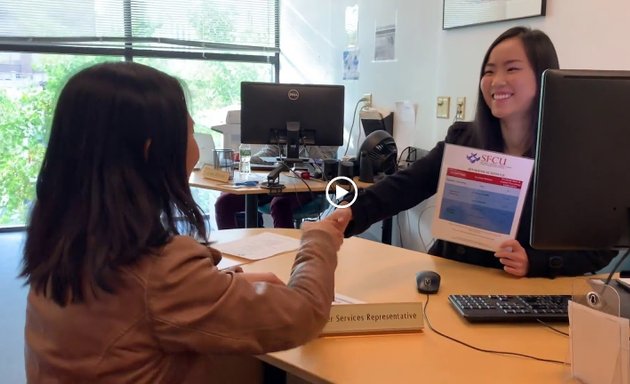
pixel 480 196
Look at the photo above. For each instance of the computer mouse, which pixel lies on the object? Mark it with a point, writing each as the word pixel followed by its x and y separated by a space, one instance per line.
pixel 428 281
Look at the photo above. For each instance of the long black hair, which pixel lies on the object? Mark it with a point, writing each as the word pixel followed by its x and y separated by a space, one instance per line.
pixel 112 182
pixel 541 55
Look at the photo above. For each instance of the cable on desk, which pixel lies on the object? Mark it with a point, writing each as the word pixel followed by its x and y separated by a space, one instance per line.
pixel 424 311
pixel 425 244
pixel 614 269
pixel 305 183
pixel 407 149
pixel 354 116
pixel 552 328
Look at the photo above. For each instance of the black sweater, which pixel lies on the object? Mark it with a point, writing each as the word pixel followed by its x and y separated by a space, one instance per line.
pixel 412 185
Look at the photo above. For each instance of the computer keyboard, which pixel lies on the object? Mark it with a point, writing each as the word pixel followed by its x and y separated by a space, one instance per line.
pixel 511 308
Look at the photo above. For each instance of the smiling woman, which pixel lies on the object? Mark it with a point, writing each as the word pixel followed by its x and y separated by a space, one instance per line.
pixel 505 121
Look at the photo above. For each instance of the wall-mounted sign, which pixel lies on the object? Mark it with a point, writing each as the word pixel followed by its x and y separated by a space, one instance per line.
pixel 461 13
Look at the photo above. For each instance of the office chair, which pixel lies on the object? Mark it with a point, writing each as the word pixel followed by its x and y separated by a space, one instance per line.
pixel 310 210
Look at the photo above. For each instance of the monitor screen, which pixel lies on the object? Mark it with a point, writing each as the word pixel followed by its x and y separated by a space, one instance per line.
pixel 292 114
pixel 581 185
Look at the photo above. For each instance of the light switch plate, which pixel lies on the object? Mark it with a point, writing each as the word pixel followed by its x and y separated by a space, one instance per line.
pixel 460 108
pixel 443 106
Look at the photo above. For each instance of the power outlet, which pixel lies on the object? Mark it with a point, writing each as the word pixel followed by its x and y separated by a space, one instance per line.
pixel 367 98
pixel 443 106
pixel 460 109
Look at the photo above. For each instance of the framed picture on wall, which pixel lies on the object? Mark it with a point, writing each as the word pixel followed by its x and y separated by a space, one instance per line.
pixel 461 13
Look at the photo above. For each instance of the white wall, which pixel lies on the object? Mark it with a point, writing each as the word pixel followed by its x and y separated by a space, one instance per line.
pixel 432 62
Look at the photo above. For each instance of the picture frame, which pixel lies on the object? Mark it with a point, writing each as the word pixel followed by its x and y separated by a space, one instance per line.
pixel 463 13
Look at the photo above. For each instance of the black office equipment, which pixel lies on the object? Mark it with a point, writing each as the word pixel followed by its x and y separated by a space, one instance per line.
pixel 428 282
pixel 581 174
pixel 292 115
pixel 372 120
pixel 379 155
pixel 511 308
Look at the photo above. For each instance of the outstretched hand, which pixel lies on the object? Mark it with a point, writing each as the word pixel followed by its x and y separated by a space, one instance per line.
pixel 334 224
pixel 513 257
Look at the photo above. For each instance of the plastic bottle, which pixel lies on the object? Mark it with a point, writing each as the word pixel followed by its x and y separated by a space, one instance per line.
pixel 245 158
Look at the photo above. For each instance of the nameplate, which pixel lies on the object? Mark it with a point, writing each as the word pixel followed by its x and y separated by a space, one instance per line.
pixel 212 173
pixel 365 318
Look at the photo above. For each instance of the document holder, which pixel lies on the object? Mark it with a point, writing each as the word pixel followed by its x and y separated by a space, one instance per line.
pixel 599 341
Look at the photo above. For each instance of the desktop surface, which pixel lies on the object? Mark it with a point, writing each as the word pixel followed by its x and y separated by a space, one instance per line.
pixel 291 182
pixel 376 272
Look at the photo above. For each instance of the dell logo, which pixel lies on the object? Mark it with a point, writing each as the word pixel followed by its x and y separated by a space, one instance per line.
pixel 293 94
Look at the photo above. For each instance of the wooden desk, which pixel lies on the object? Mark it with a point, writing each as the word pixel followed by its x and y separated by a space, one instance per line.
pixel 374 272
pixel 291 183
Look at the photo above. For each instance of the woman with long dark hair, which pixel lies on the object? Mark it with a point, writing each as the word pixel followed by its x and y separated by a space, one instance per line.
pixel 505 121
pixel 116 293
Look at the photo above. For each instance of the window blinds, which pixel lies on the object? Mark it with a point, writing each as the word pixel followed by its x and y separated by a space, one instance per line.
pixel 218 26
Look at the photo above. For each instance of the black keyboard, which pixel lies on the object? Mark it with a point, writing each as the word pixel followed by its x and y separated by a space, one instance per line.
pixel 511 308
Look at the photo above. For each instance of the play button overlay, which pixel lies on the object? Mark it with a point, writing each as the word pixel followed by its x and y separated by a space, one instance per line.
pixel 342 187
pixel 340 192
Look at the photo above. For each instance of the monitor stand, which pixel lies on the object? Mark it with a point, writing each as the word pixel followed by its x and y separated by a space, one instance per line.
pixel 293 143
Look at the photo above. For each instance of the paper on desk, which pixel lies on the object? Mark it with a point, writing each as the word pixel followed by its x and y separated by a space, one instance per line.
pixel 259 246
pixel 599 345
pixel 226 263
pixel 480 196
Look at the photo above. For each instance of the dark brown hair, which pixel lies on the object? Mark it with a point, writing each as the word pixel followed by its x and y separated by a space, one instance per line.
pixel 102 199
pixel 541 55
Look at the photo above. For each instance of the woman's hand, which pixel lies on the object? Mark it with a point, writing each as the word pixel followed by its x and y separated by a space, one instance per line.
pixel 513 257
pixel 335 224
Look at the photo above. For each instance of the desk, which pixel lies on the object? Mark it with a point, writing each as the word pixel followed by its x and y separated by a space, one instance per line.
pixel 292 184
pixel 374 272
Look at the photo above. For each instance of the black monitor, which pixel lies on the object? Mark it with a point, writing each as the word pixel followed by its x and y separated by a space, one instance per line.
pixel 581 185
pixel 292 114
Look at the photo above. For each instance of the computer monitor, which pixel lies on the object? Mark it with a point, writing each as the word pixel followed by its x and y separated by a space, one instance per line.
pixel 292 114
pixel 581 185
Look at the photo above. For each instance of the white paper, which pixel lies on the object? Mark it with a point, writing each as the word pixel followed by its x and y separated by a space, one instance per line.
pixel 228 263
pixel 480 196
pixel 259 246
pixel 385 43
pixel 599 345
pixel 405 118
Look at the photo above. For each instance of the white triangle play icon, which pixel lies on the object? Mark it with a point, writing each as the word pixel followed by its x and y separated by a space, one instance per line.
pixel 340 192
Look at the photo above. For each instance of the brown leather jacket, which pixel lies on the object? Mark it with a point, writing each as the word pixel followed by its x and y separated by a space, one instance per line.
pixel 174 310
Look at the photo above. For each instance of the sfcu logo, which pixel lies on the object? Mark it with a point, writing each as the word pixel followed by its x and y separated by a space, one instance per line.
pixel 293 94
pixel 473 158
pixel 488 160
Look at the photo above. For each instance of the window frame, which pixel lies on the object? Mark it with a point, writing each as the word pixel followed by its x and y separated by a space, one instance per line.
pixel 168 49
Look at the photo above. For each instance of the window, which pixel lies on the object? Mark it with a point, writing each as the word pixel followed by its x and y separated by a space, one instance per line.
pixel 212 45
